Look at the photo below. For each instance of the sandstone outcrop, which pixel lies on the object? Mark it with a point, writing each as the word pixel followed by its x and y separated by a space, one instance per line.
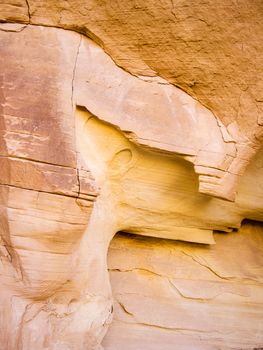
pixel 146 120
pixel 172 295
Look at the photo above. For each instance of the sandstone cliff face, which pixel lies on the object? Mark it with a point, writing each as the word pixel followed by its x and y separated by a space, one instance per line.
pixel 171 295
pixel 97 138
pixel 211 51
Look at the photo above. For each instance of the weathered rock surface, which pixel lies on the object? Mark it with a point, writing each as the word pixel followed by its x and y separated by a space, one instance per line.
pixel 172 295
pixel 46 199
pixel 88 149
pixel 211 51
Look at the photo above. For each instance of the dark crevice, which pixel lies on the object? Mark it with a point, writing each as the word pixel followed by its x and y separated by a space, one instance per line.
pixel 28 11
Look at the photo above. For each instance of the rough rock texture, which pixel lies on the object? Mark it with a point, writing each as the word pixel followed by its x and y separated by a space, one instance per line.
pixel 92 144
pixel 46 199
pixel 212 51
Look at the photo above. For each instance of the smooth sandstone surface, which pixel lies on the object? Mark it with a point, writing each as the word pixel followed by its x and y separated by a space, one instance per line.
pixel 97 138
pixel 172 295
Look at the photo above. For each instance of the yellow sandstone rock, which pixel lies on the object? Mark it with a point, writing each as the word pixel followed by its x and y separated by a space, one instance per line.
pixel 141 119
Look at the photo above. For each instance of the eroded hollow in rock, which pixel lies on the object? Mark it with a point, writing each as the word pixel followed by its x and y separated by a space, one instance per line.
pixel 146 191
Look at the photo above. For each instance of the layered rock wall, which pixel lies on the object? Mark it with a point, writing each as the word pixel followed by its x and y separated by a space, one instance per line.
pixel 173 295
pixel 144 119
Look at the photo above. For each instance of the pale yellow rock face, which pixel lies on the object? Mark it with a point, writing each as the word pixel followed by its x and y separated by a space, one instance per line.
pixel 143 118
pixel 172 295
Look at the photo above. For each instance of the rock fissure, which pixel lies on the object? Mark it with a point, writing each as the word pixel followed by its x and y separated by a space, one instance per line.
pixel 26 159
pixel 227 278
pixel 48 192
pixel 28 11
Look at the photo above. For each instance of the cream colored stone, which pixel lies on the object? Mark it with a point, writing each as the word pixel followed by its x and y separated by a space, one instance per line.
pixel 172 295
